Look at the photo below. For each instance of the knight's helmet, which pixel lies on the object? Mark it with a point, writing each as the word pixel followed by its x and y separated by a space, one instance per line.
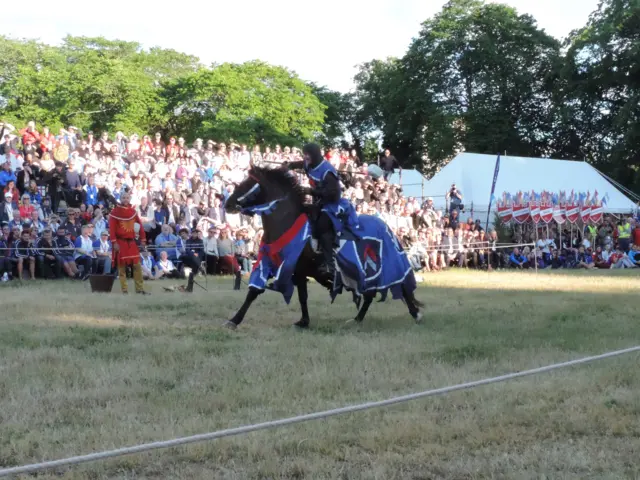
pixel 314 152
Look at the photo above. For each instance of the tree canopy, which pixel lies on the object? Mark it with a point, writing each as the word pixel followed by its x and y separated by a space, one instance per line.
pixel 600 92
pixel 482 78
pixel 98 84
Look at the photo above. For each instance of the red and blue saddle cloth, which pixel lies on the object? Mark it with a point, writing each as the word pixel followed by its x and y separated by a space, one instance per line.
pixel 369 259
pixel 372 260
pixel 278 260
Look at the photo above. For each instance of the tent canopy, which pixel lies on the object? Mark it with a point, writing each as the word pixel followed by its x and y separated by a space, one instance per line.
pixel 413 183
pixel 473 175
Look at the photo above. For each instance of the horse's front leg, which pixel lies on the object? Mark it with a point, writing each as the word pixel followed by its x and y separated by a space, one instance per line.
pixel 239 316
pixel 367 299
pixel 301 285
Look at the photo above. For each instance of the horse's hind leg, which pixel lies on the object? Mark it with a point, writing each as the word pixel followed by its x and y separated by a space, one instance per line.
pixel 413 305
pixel 367 299
pixel 252 294
pixel 301 284
pixel 383 296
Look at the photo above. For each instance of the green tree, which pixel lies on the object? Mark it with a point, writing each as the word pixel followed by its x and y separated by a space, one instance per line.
pixel 599 98
pixel 382 98
pixel 249 102
pixel 370 150
pixel 334 129
pixel 29 81
pixel 478 77
pixel 92 83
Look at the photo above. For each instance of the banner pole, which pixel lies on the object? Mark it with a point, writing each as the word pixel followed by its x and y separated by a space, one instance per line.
pixel 493 188
pixel 560 232
pixel 535 248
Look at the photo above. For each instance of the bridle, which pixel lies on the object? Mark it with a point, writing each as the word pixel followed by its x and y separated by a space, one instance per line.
pixel 261 209
pixel 253 191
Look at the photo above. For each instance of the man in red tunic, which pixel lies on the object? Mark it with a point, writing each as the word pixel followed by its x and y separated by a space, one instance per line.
pixel 122 221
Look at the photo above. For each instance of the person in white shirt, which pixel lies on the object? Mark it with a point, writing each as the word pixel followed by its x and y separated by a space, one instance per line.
pixel 36 224
pixel 84 254
pixel 546 245
pixel 102 248
pixel 166 266
pixel 243 158
pixel 150 270
pixel 211 250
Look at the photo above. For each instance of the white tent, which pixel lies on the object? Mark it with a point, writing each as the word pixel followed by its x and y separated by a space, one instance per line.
pixel 473 175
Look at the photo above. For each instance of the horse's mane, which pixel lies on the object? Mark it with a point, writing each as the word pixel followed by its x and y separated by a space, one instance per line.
pixel 284 179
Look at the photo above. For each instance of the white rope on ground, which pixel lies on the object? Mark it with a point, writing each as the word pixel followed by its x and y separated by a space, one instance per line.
pixel 36 467
pixel 475 246
pixel 487 246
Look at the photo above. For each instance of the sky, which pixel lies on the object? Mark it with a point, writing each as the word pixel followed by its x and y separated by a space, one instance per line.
pixel 322 42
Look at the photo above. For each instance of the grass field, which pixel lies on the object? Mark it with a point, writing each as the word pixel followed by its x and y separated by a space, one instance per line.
pixel 82 372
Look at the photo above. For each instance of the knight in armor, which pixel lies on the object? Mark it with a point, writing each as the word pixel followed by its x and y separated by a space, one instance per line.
pixel 326 192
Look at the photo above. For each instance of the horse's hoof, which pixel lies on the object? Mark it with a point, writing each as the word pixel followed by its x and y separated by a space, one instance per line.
pixel 353 321
pixel 418 317
pixel 304 323
pixel 230 325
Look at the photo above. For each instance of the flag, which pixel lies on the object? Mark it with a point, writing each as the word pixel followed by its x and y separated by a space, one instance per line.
pixel 493 188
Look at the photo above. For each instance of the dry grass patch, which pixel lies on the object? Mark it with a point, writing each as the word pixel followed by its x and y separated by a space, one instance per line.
pixel 82 373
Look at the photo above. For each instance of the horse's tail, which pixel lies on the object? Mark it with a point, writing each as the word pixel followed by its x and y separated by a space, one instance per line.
pixel 415 301
pixel 411 298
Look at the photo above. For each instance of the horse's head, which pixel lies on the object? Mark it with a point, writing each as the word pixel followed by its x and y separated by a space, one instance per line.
pixel 247 194
pixel 264 188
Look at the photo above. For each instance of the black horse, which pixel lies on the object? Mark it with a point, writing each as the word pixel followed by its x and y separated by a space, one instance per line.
pixel 280 190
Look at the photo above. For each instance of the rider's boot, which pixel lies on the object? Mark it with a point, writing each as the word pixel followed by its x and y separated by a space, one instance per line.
pixel 326 246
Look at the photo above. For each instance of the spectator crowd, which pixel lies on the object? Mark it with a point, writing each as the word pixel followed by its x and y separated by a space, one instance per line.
pixel 58 190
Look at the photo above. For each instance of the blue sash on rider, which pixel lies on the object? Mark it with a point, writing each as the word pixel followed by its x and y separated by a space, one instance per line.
pixel 341 212
pixel 318 174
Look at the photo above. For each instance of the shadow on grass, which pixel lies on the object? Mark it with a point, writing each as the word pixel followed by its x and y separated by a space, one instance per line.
pixel 473 324
pixel 71 336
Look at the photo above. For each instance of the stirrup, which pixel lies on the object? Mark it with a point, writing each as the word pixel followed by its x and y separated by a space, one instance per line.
pixel 315 245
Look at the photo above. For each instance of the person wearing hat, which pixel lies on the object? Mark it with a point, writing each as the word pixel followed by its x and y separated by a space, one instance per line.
pixel 122 231
pixel 103 253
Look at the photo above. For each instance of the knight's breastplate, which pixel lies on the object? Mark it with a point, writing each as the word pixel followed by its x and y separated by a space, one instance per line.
pixel 317 175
